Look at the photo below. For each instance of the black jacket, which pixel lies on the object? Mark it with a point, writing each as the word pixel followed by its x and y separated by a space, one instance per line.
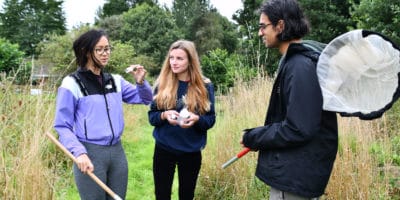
pixel 298 142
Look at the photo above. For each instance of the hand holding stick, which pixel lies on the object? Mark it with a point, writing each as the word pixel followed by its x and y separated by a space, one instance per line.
pixel 94 177
pixel 239 155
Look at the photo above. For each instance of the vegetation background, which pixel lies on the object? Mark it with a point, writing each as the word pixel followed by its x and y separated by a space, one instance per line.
pixel 35 53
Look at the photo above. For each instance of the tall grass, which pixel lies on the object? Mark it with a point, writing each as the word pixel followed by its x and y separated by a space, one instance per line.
pixel 357 174
pixel 24 119
pixel 244 107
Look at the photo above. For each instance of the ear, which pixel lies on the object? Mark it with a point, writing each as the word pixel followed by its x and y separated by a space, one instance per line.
pixel 280 26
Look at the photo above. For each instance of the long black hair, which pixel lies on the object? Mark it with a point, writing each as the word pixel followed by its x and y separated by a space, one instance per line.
pixel 84 46
pixel 296 24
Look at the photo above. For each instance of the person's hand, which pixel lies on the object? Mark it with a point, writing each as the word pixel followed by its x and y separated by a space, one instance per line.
pixel 138 73
pixel 241 143
pixel 171 116
pixel 241 140
pixel 84 163
pixel 190 121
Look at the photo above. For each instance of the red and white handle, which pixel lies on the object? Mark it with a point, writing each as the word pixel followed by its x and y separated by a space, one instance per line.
pixel 239 155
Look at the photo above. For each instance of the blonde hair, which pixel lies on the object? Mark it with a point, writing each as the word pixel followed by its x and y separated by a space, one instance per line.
pixel 196 99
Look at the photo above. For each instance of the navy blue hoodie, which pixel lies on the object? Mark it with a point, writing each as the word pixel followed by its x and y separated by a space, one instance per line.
pixel 176 139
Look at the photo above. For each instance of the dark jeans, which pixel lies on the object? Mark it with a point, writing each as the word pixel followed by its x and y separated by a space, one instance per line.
pixel 164 164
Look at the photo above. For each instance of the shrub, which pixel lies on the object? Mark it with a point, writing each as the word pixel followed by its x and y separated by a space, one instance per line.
pixel 224 68
pixel 10 56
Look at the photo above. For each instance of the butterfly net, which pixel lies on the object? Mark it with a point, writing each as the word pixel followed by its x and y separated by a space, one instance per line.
pixel 359 74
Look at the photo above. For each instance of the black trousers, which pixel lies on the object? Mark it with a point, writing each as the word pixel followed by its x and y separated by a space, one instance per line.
pixel 164 164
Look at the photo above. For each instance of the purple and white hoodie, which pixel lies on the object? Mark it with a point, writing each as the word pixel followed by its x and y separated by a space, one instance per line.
pixel 89 109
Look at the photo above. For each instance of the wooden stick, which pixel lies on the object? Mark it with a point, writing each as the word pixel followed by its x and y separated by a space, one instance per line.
pixel 94 177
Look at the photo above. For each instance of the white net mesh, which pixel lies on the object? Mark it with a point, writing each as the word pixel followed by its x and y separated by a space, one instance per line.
pixel 358 74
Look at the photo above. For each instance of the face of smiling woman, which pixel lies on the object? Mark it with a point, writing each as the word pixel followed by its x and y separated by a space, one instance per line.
pixel 101 53
pixel 179 63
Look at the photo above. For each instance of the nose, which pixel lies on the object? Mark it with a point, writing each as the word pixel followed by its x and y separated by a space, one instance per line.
pixel 172 61
pixel 260 32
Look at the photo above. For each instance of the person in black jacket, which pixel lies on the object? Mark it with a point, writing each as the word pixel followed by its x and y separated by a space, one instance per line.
pixel 298 143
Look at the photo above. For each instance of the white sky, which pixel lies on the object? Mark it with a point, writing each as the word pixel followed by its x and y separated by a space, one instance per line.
pixel 81 11
pixel 84 11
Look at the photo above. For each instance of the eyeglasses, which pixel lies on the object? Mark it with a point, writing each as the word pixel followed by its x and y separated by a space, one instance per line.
pixel 263 26
pixel 101 51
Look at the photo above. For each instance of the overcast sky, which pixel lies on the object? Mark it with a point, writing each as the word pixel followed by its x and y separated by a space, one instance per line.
pixel 84 11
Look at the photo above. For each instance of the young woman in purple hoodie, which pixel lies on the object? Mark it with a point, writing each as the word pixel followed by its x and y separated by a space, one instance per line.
pixel 89 116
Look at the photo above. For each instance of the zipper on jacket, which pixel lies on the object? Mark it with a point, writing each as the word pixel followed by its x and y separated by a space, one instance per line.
pixel 108 112
pixel 84 125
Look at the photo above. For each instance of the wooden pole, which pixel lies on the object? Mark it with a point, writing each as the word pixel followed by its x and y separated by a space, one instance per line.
pixel 94 177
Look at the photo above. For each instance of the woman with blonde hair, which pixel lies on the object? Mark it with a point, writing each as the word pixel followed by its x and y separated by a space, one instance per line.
pixel 181 112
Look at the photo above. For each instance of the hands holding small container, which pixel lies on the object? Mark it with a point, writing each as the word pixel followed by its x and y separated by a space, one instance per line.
pixel 138 73
pixel 184 118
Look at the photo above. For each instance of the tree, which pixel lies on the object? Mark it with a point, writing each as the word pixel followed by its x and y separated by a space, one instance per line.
pixel 150 30
pixel 256 55
pixel 213 31
pixel 57 52
pixel 121 57
pixel 223 69
pixel 10 19
pixel 202 23
pixel 27 22
pixel 328 19
pixel 117 7
pixel 186 12
pixel 112 25
pixel 11 56
pixel 382 16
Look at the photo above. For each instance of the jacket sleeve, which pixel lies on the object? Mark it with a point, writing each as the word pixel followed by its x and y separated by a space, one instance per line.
pixel 207 120
pixel 136 94
pixel 302 99
pixel 64 118
pixel 154 115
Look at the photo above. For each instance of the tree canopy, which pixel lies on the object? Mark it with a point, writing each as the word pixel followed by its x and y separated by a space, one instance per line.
pixel 117 7
pixel 150 30
pixel 382 16
pixel 26 22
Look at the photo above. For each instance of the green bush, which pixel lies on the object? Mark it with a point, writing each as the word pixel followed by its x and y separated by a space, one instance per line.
pixel 10 56
pixel 224 68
